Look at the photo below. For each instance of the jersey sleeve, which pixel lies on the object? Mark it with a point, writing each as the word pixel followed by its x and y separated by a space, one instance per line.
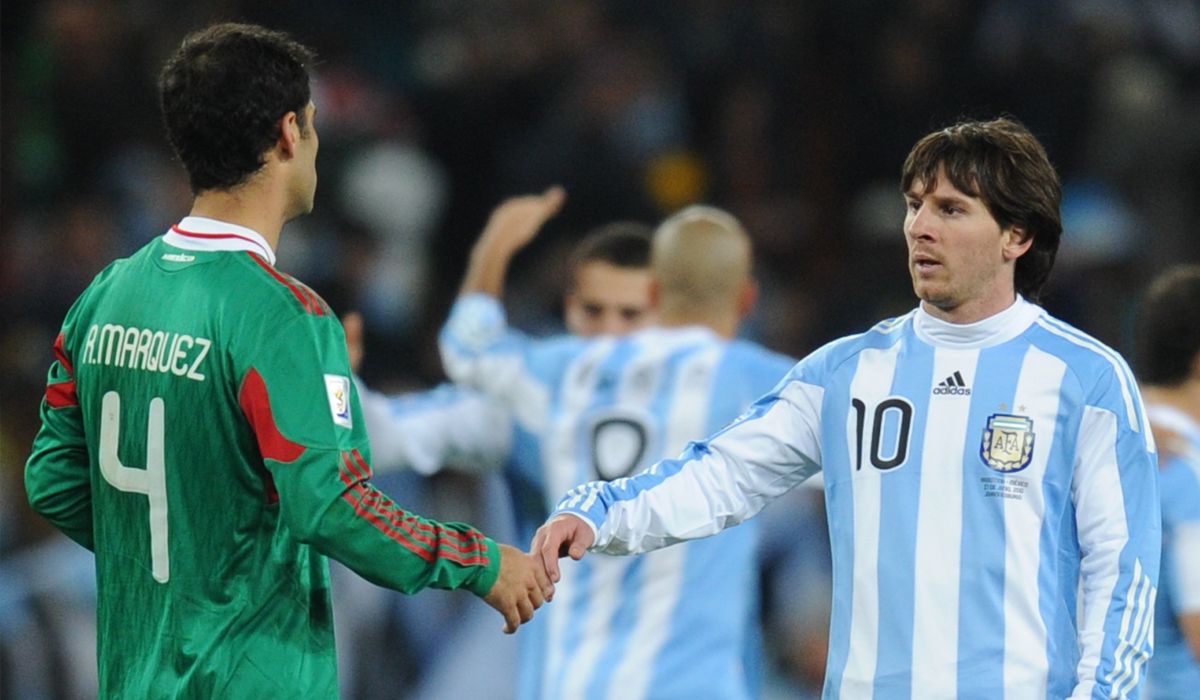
pixel 1117 516
pixel 481 352
pixel 716 483
pixel 303 407
pixel 57 475
pixel 428 430
pixel 1181 531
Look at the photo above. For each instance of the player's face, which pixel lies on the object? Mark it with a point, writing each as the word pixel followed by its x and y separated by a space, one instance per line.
pixel 608 300
pixel 961 261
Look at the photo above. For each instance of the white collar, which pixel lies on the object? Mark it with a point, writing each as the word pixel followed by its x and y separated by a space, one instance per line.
pixel 679 334
pixel 201 233
pixel 993 330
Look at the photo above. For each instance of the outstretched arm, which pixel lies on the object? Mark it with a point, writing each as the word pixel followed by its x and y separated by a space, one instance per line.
pixel 715 484
pixel 427 430
pixel 478 348
pixel 446 426
pixel 511 227
pixel 305 416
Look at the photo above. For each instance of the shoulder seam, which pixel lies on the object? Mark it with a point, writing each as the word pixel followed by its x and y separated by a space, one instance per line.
pixel 312 303
pixel 897 323
pixel 1110 358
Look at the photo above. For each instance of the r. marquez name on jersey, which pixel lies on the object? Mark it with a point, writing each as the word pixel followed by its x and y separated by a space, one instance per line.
pixel 150 350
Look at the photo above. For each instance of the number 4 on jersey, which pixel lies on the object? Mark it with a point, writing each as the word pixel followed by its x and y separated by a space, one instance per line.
pixel 151 481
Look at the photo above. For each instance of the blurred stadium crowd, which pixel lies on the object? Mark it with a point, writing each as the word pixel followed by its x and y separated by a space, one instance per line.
pixel 795 116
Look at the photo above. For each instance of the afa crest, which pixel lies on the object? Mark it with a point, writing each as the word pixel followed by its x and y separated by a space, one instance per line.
pixel 1007 442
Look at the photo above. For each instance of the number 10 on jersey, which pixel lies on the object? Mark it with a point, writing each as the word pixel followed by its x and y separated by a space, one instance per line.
pixel 151 481
pixel 887 449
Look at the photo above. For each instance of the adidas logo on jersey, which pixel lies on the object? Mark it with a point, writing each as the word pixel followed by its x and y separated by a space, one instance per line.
pixel 952 386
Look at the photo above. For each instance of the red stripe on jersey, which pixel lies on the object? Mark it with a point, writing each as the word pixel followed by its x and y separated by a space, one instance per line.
pixel 303 298
pixel 362 472
pixel 61 355
pixel 62 395
pixel 423 531
pixel 357 475
pixel 402 526
pixel 385 529
pixel 362 462
pixel 432 536
pixel 462 548
pixel 319 306
pixel 256 404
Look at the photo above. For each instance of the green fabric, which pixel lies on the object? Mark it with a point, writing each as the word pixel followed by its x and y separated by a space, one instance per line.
pixel 240 606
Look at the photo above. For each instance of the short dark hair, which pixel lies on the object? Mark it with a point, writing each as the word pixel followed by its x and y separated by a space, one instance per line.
pixel 1004 165
pixel 621 244
pixel 222 95
pixel 1168 334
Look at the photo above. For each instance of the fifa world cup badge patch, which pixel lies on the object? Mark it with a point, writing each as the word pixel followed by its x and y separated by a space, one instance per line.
pixel 1007 443
pixel 337 388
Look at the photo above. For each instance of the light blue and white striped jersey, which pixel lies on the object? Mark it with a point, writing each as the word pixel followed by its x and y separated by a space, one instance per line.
pixel 976 477
pixel 675 624
pixel 427 430
pixel 1175 671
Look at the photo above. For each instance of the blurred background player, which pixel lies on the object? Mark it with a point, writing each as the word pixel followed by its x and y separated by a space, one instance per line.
pixel 980 457
pixel 200 431
pixel 663 626
pixel 450 426
pixel 1168 333
pixel 608 294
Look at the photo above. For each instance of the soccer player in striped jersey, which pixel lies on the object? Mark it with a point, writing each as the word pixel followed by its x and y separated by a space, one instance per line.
pixel 662 626
pixel 458 428
pixel 609 294
pixel 200 432
pixel 1169 367
pixel 996 537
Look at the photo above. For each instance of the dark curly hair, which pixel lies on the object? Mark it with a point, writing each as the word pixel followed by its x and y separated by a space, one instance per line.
pixel 621 244
pixel 1004 165
pixel 1168 327
pixel 222 95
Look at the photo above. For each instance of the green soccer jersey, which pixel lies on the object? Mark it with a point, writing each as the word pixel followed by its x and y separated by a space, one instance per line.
pixel 201 434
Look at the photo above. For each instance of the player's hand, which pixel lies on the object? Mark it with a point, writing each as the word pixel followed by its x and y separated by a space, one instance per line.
pixel 565 535
pixel 521 588
pixel 352 323
pixel 517 220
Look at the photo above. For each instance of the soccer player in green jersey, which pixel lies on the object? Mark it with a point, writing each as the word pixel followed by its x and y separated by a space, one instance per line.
pixel 200 432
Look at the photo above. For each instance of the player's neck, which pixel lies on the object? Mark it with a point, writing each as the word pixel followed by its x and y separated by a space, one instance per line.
pixel 724 325
pixel 973 310
pixel 245 206
pixel 1184 397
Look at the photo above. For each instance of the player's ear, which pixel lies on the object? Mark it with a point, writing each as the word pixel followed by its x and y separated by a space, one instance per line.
pixel 289 135
pixel 1016 242
pixel 747 297
pixel 654 292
